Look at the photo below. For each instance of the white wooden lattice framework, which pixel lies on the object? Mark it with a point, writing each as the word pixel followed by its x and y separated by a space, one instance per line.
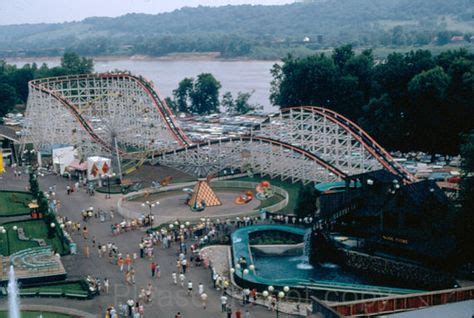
pixel 258 155
pixel 117 113
pixel 92 111
pixel 331 137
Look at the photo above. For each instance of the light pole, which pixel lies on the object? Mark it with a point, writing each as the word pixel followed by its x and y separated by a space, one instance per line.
pixel 150 205
pixel 28 153
pixel 280 297
pixel 4 231
pixel 232 271
pixel 108 182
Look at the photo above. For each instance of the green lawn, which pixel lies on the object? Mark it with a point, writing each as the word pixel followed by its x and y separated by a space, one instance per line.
pixel 14 203
pixel 292 189
pixel 33 229
pixel 36 314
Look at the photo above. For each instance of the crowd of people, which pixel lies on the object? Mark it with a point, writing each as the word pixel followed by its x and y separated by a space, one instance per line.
pixel 185 239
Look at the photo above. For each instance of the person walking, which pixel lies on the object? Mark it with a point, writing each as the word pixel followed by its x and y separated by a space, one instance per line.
pixel 190 288
pixel 204 300
pixel 178 266
pixel 130 304
pixel 253 294
pixel 127 277
pixel 120 263
pixel 174 277
pixel 132 275
pixel 106 285
pixel 184 264
pixel 200 288
pixel 238 313
pixel 224 303
pixel 247 296
pixel 85 232
pixel 128 261
pixel 229 312
pixel 182 278
pixel 153 269
pixel 247 314
pixel 148 292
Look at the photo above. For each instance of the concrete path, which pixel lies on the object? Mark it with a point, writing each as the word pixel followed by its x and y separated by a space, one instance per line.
pixel 168 299
pixel 172 207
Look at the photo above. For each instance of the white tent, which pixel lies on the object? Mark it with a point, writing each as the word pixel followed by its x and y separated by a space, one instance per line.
pixel 62 157
pixel 97 167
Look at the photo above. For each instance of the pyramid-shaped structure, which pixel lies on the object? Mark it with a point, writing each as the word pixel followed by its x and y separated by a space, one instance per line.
pixel 204 193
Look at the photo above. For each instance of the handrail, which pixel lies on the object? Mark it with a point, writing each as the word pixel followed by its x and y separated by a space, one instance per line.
pixel 398 303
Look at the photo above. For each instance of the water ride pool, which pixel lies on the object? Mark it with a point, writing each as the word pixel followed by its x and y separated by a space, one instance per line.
pixel 292 270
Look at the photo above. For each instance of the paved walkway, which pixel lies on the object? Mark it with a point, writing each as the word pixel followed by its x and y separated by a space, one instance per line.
pixel 168 298
pixel 172 207
pixel 219 256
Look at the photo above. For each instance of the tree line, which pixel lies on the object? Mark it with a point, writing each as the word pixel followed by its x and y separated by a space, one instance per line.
pixel 14 80
pixel 408 102
pixel 250 30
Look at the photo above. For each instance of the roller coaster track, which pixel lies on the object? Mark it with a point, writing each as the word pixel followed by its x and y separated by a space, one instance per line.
pixel 314 133
pixel 272 142
pixel 357 133
pixel 75 112
pixel 160 104
pixel 370 144
pixel 163 109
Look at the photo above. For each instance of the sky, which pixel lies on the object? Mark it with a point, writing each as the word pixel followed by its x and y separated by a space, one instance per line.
pixel 37 11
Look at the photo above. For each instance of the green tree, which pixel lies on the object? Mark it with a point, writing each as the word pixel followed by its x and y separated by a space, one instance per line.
pixel 342 54
pixel 49 218
pixel 465 224
pixel 34 187
pixel 43 206
pixel 72 63
pixel 306 202
pixel 227 102
pixel 443 37
pixel 205 95
pixel 240 105
pixel 182 95
pixel 382 120
pixel 171 104
pixel 304 81
pixel 413 101
pixel 7 98
pixel 428 108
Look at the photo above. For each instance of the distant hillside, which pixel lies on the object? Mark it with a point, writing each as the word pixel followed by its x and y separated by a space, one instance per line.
pixel 245 30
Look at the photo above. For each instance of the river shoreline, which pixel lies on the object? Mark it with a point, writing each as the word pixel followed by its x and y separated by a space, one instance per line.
pixel 210 56
pixel 234 75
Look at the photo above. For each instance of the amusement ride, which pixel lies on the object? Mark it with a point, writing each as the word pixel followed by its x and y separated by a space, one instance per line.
pixel 121 115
